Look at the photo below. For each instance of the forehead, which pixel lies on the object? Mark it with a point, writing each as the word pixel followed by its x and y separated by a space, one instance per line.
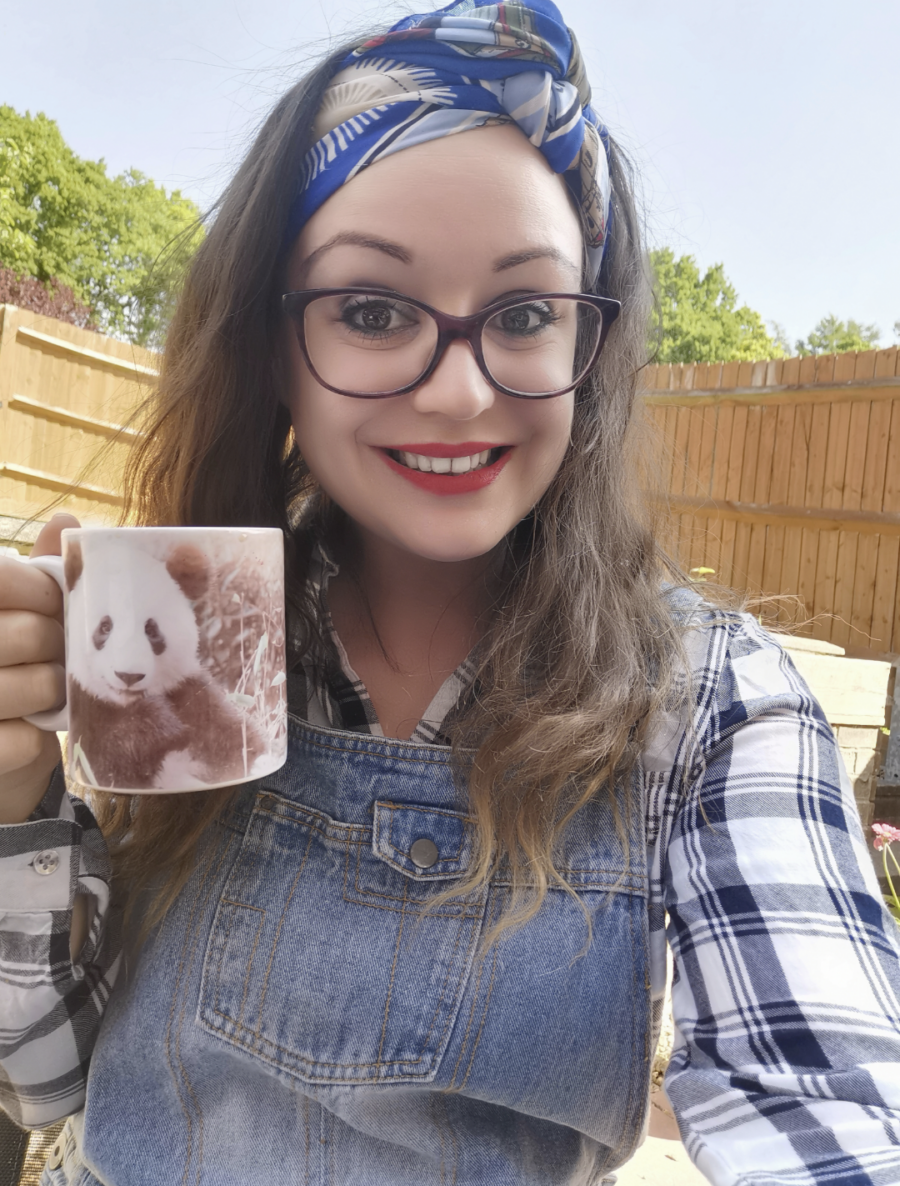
pixel 473 195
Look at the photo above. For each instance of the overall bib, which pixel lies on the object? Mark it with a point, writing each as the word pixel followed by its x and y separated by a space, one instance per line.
pixel 296 1018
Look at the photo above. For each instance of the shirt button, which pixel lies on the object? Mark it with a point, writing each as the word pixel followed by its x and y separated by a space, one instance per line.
pixel 46 862
pixel 424 853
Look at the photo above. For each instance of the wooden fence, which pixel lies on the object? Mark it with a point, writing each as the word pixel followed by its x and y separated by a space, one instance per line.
pixel 64 393
pixel 781 477
pixel 784 478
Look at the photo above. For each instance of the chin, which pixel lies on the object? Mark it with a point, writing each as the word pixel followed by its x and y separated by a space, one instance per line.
pixel 450 548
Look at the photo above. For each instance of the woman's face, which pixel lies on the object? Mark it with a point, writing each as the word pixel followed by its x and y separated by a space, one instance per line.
pixel 457 223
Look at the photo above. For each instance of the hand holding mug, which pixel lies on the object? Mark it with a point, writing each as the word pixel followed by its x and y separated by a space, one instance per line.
pixel 32 654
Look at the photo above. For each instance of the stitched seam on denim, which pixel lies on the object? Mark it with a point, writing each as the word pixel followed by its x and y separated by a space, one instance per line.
pixel 387 1003
pixel 250 850
pixel 259 927
pixel 284 909
pixel 473 915
pixel 178 1091
pixel 487 1001
pixel 350 1066
pixel 261 1041
pixel 376 750
pixel 437 1007
pixel 392 807
pixel 306 1133
pixel 462 1048
pixel 187 1082
pixel 315 821
pixel 464 911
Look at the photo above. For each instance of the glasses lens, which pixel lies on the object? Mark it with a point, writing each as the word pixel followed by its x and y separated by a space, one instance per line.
pixel 368 344
pixel 542 345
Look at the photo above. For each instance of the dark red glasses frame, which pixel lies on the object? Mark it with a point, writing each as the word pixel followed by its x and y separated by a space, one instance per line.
pixel 449 330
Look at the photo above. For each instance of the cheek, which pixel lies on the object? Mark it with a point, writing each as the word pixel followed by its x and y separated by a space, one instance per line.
pixel 550 424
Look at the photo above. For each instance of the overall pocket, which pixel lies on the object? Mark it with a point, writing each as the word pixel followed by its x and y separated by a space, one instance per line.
pixel 321 962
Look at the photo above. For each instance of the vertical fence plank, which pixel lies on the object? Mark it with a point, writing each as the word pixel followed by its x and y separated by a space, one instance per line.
pixel 718 490
pixel 774 577
pixel 820 423
pixel 849 541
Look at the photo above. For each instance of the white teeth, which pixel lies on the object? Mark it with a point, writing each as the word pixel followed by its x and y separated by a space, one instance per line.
pixel 444 465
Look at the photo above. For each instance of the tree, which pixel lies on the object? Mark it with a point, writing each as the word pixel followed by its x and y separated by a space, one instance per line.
pixel 50 300
pixel 831 336
pixel 696 318
pixel 119 243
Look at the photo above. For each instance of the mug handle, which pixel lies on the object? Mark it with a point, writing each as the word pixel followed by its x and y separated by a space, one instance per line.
pixel 52 719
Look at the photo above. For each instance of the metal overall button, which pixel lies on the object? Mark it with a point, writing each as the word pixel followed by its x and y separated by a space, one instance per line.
pixel 55 1159
pixel 423 853
pixel 46 862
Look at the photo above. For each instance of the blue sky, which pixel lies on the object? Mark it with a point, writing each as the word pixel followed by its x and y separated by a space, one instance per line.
pixel 766 133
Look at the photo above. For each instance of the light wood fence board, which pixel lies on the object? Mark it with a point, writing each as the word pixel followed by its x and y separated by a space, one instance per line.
pixel 885 594
pixel 783 476
pixel 849 560
pixel 800 492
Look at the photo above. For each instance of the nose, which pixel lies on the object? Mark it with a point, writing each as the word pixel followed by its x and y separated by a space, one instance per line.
pixel 457 389
pixel 130 678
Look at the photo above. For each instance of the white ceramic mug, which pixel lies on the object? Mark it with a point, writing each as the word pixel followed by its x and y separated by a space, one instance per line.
pixel 175 657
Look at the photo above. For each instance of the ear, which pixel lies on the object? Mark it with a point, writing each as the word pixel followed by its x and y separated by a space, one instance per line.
pixel 189 569
pixel 73 565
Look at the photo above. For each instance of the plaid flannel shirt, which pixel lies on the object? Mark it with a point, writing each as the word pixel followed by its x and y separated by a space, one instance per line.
pixel 786 994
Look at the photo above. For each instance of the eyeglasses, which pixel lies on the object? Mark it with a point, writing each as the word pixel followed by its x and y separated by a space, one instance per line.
pixel 371 343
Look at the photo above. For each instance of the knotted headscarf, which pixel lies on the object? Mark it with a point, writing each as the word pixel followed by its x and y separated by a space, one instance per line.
pixel 462 67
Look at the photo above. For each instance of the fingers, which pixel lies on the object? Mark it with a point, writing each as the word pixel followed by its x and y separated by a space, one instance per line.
pixel 48 542
pixel 30 688
pixel 21 744
pixel 27 758
pixel 24 587
pixel 30 638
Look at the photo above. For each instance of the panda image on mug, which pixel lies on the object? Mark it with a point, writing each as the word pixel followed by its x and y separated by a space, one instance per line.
pixel 174 656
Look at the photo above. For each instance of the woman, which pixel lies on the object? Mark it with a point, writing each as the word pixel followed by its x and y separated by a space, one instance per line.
pixel 432 947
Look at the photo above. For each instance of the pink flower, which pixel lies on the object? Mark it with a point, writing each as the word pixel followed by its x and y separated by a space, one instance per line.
pixel 884 834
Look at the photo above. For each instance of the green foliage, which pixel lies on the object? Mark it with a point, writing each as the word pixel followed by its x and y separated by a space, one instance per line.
pixel 831 336
pixel 697 319
pixel 119 243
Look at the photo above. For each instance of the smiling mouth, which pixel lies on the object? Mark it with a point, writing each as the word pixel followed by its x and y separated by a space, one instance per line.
pixel 447 465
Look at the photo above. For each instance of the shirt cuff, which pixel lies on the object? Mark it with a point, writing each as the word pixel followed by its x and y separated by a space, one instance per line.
pixel 43 860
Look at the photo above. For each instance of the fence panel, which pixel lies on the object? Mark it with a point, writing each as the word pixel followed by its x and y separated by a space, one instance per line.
pixel 65 393
pixel 784 478
pixel 781 477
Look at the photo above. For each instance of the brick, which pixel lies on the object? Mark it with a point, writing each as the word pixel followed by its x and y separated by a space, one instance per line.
pixel 857 737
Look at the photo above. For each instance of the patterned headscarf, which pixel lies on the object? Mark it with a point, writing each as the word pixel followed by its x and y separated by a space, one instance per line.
pixel 463 67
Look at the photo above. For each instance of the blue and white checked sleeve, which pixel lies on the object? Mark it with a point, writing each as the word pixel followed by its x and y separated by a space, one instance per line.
pixel 786 994
pixel 51 1007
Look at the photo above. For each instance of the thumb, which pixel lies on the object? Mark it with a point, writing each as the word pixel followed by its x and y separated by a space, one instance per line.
pixel 48 541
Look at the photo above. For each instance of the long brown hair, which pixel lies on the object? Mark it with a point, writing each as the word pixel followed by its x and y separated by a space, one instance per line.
pixel 580 649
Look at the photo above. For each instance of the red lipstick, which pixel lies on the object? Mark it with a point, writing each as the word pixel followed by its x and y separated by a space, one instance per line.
pixel 448 484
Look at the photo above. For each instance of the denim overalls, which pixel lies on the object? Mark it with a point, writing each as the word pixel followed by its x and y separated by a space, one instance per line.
pixel 295 1019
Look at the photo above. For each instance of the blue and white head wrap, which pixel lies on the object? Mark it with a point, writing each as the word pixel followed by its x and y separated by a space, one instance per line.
pixel 462 67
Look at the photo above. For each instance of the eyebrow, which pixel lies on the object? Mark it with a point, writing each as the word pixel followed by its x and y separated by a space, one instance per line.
pixel 395 251
pixel 355 239
pixel 523 257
